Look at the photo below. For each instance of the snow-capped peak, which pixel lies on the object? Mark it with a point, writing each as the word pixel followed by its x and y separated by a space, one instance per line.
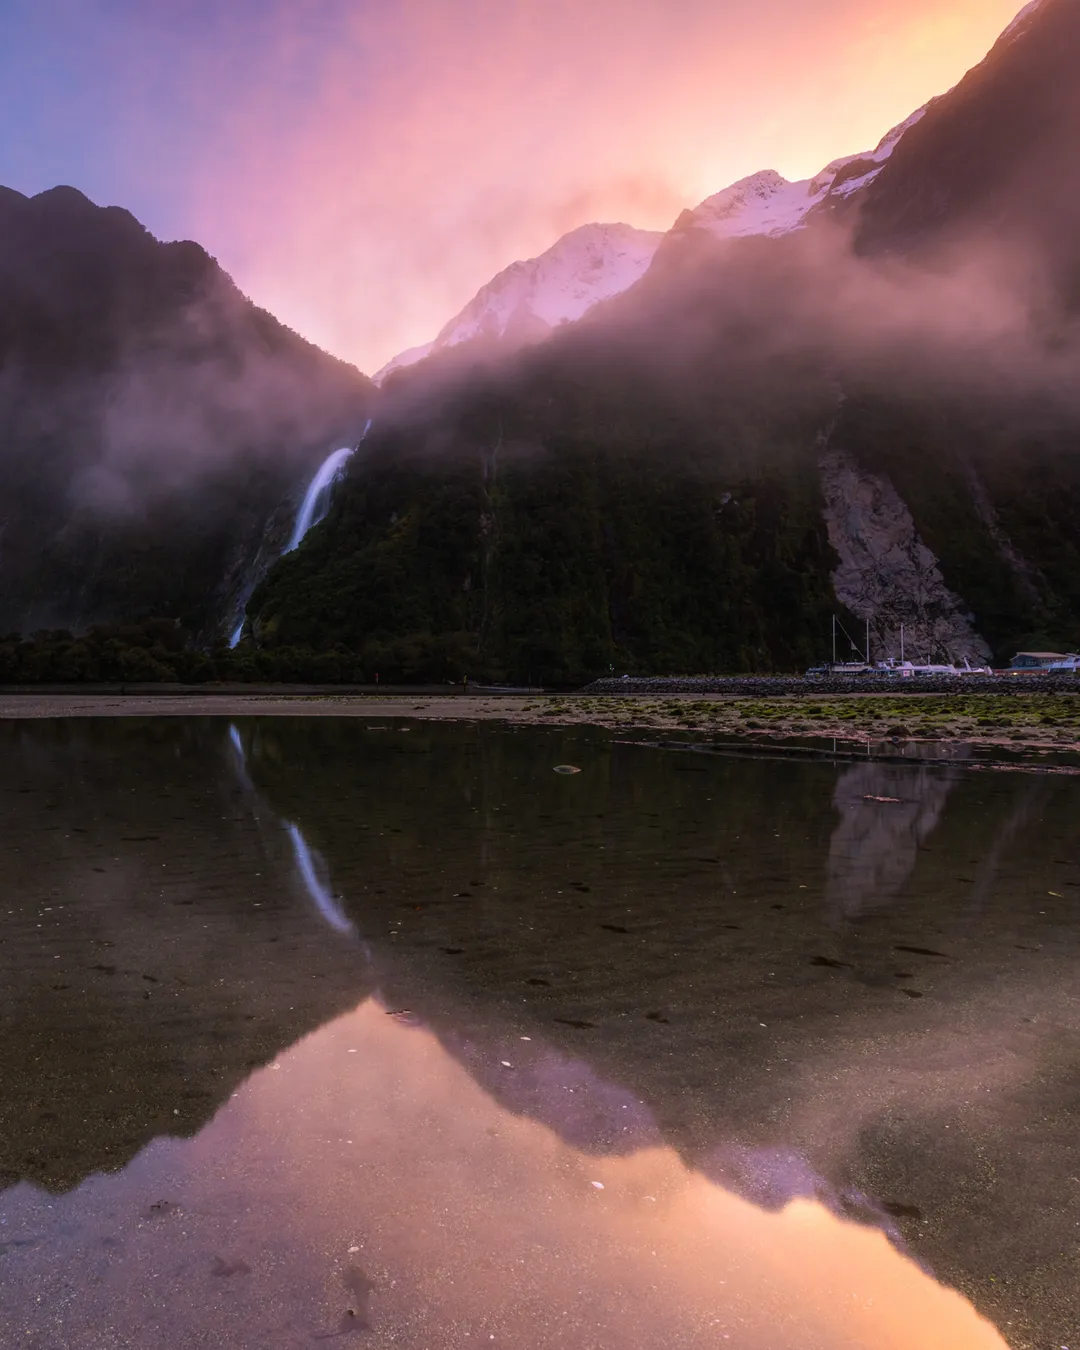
pixel 528 299
pixel 764 203
pixel 1022 18
pixel 768 204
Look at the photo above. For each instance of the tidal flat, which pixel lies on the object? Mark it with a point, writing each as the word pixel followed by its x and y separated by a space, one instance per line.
pixel 389 1031
pixel 1009 720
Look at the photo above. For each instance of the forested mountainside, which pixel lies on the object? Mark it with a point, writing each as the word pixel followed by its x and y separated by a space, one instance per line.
pixel 869 408
pixel 152 419
pixel 874 414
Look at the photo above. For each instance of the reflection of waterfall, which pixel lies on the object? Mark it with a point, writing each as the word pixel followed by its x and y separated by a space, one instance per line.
pixel 241 759
pixel 309 864
pixel 313 508
pixel 875 846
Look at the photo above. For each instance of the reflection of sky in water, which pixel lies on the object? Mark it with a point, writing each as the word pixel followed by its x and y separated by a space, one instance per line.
pixel 365 1176
pixel 701 1034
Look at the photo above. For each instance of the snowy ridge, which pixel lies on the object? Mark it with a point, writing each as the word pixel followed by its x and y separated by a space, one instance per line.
pixel 1022 18
pixel 595 262
pixel 768 204
pixel 528 299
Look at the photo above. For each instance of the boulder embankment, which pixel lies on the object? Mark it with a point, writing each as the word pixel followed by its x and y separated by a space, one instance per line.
pixel 777 686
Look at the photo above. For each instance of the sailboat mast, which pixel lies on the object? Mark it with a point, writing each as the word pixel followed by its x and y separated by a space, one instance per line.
pixel 834 639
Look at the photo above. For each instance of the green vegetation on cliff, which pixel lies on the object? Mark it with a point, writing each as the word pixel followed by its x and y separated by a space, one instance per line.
pixel 556 561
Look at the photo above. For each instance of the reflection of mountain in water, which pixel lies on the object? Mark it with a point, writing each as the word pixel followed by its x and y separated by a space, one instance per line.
pixel 154 948
pixel 676 931
pixel 563 1093
pixel 370 1192
pixel 664 938
pixel 886 812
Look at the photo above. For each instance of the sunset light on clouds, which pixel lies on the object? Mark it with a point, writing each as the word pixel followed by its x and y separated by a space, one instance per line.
pixel 362 168
pixel 660 421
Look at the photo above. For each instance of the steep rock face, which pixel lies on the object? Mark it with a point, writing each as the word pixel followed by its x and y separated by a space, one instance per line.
pixel 993 155
pixel 1031 585
pixel 886 573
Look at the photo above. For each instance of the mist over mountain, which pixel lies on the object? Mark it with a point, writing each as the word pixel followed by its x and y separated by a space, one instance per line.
pixel 865 401
pixel 854 395
pixel 151 418
pixel 527 300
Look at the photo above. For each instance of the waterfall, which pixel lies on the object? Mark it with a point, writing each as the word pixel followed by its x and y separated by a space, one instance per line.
pixel 313 508
pixel 316 501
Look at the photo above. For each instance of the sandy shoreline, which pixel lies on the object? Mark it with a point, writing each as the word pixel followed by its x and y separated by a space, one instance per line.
pixel 376 706
pixel 1015 722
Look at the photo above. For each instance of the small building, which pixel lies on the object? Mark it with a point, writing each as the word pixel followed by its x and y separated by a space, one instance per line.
pixel 1036 660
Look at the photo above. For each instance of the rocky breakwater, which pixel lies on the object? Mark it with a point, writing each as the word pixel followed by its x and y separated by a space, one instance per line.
pixel 778 686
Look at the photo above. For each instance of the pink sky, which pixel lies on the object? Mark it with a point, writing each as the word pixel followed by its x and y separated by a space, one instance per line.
pixel 374 174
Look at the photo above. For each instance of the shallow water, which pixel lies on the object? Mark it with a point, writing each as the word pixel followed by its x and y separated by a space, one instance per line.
pixel 394 1035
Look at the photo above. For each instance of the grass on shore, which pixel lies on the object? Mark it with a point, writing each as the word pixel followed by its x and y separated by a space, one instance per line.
pixel 1045 719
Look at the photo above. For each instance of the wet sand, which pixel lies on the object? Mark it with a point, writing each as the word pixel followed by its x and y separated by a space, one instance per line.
pixel 1017 722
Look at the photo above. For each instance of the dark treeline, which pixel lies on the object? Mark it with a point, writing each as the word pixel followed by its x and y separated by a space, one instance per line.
pixel 158 651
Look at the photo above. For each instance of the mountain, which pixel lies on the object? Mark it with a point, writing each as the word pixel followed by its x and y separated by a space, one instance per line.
pixel 767 204
pixel 151 419
pixel 993 159
pixel 529 299
pixel 593 263
pixel 854 395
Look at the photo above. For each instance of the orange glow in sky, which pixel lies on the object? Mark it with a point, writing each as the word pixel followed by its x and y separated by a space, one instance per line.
pixel 369 180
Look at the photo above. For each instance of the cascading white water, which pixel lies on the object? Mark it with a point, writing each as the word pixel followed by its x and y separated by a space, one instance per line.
pixel 316 501
pixel 313 508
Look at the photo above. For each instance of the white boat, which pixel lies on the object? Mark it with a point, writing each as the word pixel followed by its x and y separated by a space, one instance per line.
pixel 915 670
pixel 891 668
